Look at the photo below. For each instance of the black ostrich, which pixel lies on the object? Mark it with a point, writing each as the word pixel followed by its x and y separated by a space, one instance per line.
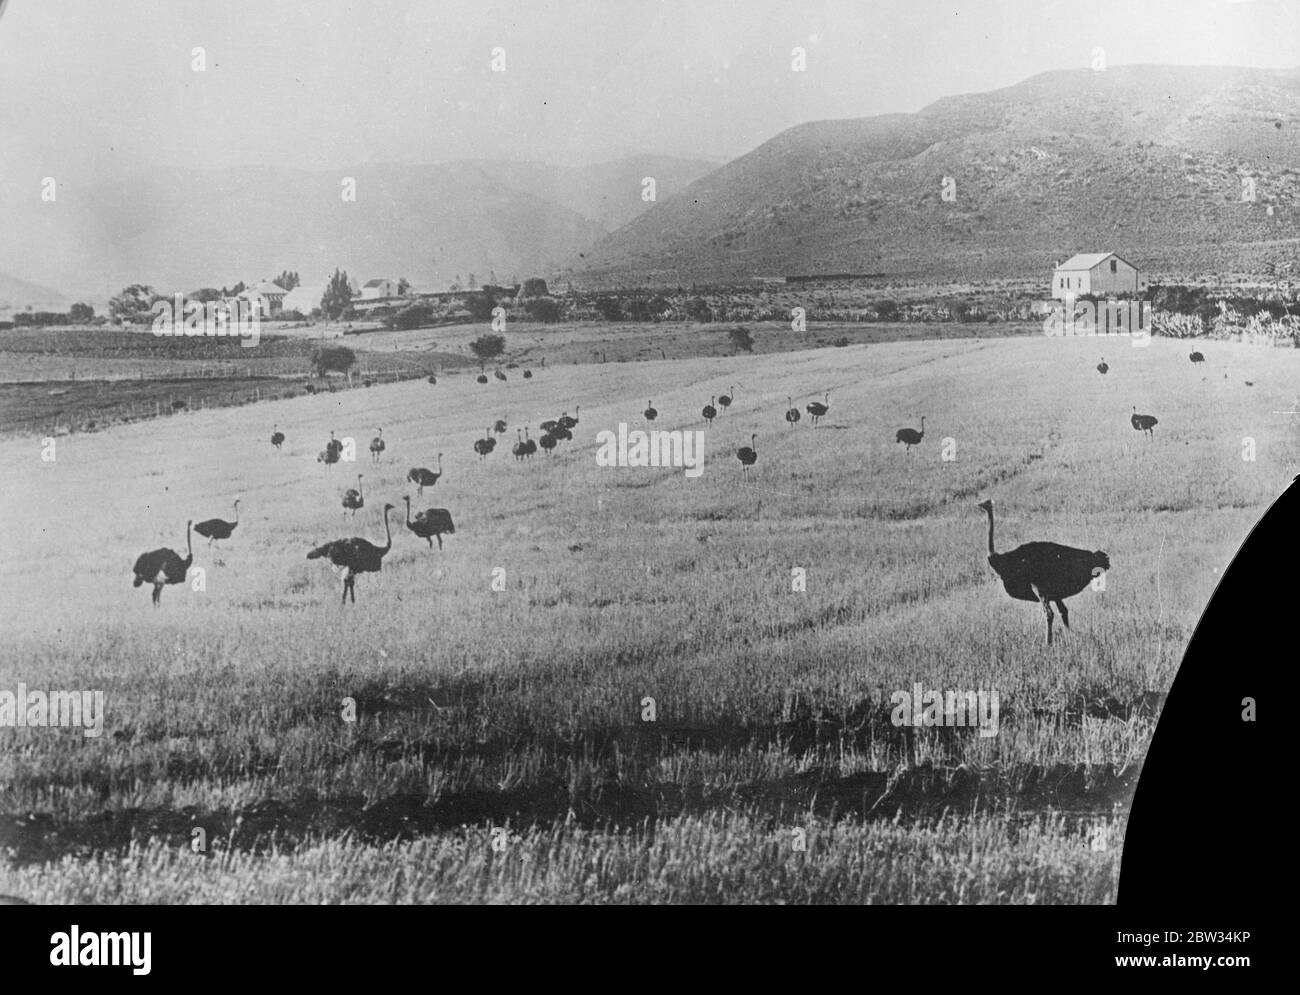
pixel 792 413
pixel 549 426
pixel 562 434
pixel 650 413
pixel 485 445
pixel 1144 423
pixel 528 374
pixel 277 437
pixel 355 556
pixel 571 423
pixel 710 412
pixel 433 379
pixel 818 411
pixel 331 453
pixel 1102 367
pixel 377 446
pixel 498 374
pixel 910 436
pixel 724 402
pixel 530 445
pixel 163 566
pixel 1197 357
pixel 499 426
pixel 423 478
pixel 748 455
pixel 1046 572
pixel 519 449
pixel 482 378
pixel 548 442
pixel 353 498
pixel 429 524
pixel 215 529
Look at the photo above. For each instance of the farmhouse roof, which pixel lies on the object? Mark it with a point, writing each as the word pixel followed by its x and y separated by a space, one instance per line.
pixel 378 281
pixel 1086 260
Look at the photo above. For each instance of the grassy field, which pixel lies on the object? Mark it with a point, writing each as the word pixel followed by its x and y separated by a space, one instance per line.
pixel 500 750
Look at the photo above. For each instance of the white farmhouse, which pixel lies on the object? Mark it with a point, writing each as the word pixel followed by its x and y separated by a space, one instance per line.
pixel 1101 274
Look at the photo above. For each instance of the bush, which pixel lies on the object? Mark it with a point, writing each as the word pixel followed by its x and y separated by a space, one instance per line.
pixel 481 305
pixel 741 339
pixel 415 315
pixel 487 347
pixel 535 287
pixel 333 358
pixel 545 309
pixel 610 308
pixel 886 310
pixel 697 309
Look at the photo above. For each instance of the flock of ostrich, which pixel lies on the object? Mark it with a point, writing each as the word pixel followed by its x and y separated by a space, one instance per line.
pixel 1043 572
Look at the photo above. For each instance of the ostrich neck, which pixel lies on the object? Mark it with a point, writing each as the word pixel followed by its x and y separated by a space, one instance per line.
pixel 408 513
pixel 388 532
pixel 992 551
pixel 189 547
pixel 236 512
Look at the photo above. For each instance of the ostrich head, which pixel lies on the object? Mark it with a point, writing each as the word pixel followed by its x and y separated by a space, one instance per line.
pixel 987 505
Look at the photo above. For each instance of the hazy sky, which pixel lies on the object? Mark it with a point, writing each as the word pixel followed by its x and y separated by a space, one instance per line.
pixel 92 89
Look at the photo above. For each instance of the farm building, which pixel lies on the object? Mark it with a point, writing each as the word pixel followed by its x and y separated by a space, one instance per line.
pixel 1098 273
pixel 267 298
pixel 381 288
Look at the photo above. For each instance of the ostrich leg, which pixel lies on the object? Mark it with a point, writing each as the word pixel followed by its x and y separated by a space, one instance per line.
pixel 1065 613
pixel 1047 609
pixel 157 594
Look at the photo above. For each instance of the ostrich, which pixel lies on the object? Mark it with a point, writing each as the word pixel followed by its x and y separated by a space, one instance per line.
pixel 562 434
pixel 355 556
pixel 710 412
pixel 1102 367
pixel 498 374
pixel 433 379
pixel 377 446
pixel 499 426
pixel 277 437
pixel 423 478
pixel 548 442
pixel 1196 357
pixel 911 436
pixel 818 410
pixel 1144 423
pixel 430 524
pixel 163 566
pixel 549 426
pixel 530 445
pixel 1045 571
pixel 354 499
pixel 571 423
pixel 485 445
pixel 528 374
pixel 748 455
pixel 724 402
pixel 650 413
pixel 215 528
pixel 331 453
pixel 482 378
pixel 791 413
pixel 519 449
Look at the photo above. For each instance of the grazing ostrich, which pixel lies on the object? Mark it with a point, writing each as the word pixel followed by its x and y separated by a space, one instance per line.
pixel 548 442
pixel 724 402
pixel 1196 357
pixel 571 423
pixel 528 374
pixel 650 413
pixel 911 436
pixel 215 528
pixel 498 374
pixel 355 556
pixel 163 566
pixel 818 410
pixel 482 378
pixel 562 434
pixel 331 453
pixel 791 413
pixel 432 379
pixel 519 449
pixel 485 445
pixel 549 426
pixel 430 524
pixel 499 426
pixel 423 478
pixel 1045 571
pixel 710 412
pixel 748 455
pixel 354 499
pixel 1102 367
pixel 277 437
pixel 377 446
pixel 1144 423
pixel 530 445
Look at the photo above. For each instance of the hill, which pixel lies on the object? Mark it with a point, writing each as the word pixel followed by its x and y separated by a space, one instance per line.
pixel 1146 160
pixel 18 295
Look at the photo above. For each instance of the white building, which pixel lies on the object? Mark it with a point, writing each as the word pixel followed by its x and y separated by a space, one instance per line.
pixel 1101 274
pixel 379 289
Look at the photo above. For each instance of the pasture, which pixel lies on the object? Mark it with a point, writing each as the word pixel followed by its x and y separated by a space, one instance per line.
pixel 501 749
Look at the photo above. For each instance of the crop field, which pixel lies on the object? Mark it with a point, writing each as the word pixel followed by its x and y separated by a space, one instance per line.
pixel 624 684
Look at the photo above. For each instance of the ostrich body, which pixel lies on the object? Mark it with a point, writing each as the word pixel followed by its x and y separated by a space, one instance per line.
pixel 530 445
pixel 277 437
pixel 571 423
pixel 355 556
pixel 215 529
pixel 650 413
pixel 377 447
pixel 433 379
pixel 748 455
pixel 519 449
pixel 485 445
pixel 498 374
pixel 163 566
pixel 1144 423
pixel 1196 357
pixel 562 434
pixel 499 426
pixel 710 412
pixel 791 413
pixel 911 436
pixel 528 374
pixel 331 453
pixel 724 402
pixel 818 411
pixel 1046 572
pixel 1102 367
pixel 482 378
pixel 548 442
pixel 549 426
pixel 353 498
pixel 423 478
pixel 433 523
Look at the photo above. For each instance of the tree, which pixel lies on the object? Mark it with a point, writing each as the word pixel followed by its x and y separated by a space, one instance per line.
pixel 471 283
pixel 234 291
pixel 535 286
pixel 333 358
pixel 886 310
pixel 741 339
pixel 134 303
pixel 337 298
pixel 481 305
pixel 697 309
pixel 610 309
pixel 81 314
pixel 546 309
pixel 412 316
pixel 288 280
pixel 487 347
pixel 403 285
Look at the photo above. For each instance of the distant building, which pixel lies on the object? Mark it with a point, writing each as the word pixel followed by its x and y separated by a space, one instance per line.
pixel 304 299
pixel 267 298
pixel 381 288
pixel 1098 273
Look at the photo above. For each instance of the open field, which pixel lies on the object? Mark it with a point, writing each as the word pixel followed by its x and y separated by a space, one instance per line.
pixel 522 709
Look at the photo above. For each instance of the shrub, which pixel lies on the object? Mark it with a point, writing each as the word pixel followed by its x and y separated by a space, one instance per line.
pixel 333 358
pixel 487 347
pixel 545 309
pixel 414 315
